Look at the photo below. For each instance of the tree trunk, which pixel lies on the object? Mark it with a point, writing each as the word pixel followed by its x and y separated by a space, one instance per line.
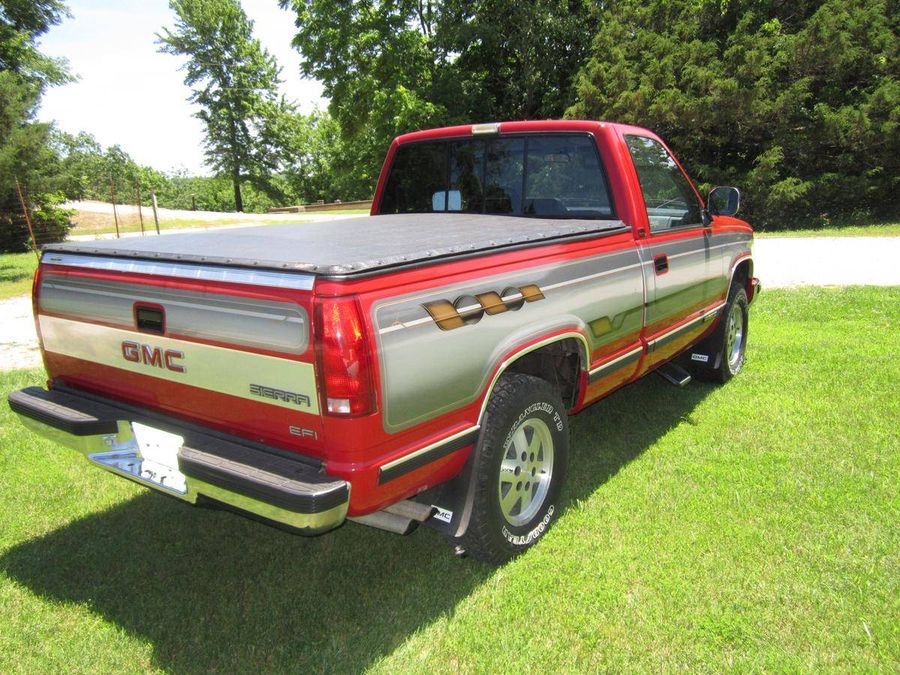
pixel 238 200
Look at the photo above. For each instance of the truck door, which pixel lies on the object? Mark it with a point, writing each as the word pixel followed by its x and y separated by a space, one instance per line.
pixel 676 253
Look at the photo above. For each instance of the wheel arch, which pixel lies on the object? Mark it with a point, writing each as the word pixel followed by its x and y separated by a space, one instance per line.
pixel 457 495
pixel 537 359
pixel 742 273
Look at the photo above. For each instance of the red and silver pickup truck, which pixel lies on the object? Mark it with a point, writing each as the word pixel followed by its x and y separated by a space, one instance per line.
pixel 415 366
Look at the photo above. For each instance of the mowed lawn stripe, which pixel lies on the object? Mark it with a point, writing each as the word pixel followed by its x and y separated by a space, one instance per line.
pixel 750 526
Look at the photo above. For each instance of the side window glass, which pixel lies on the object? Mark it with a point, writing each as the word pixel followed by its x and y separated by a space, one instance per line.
pixel 668 196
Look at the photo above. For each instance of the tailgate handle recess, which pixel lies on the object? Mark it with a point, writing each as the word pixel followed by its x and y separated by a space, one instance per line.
pixel 150 318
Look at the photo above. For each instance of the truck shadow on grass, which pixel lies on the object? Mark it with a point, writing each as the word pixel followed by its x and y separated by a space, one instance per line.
pixel 213 591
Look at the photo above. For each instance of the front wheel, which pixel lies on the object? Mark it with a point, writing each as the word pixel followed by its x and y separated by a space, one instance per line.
pixel 520 467
pixel 729 339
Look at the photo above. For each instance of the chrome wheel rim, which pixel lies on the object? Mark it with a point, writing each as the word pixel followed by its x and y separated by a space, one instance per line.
pixel 734 338
pixel 525 472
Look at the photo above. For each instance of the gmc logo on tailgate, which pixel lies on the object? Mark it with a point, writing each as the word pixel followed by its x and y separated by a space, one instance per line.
pixel 153 356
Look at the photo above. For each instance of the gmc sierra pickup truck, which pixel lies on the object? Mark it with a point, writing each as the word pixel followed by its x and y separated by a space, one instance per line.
pixel 415 366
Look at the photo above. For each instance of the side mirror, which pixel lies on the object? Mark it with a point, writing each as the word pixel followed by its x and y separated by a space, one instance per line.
pixel 724 201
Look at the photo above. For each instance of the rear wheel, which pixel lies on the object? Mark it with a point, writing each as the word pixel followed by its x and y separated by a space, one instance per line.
pixel 520 467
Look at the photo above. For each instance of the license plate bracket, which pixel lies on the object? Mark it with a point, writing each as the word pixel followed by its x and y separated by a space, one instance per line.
pixel 150 458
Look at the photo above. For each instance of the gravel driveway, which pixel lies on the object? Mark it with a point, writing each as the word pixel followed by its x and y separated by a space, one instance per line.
pixel 18 341
pixel 779 263
pixel 784 262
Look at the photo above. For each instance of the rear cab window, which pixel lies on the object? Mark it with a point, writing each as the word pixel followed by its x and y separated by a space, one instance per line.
pixel 668 196
pixel 540 175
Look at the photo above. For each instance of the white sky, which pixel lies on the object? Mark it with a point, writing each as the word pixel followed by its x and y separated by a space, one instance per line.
pixel 131 95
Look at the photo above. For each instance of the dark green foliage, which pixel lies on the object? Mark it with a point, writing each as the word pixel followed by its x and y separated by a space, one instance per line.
pixel 798 103
pixel 320 167
pixel 511 60
pixel 21 23
pixel 234 81
pixel 49 222
pixel 393 67
pixel 24 73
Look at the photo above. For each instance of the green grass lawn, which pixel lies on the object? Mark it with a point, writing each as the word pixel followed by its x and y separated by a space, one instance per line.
pixel 750 527
pixel 879 230
pixel 16 273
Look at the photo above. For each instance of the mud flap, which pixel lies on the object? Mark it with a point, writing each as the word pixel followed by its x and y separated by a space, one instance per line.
pixel 706 354
pixel 452 501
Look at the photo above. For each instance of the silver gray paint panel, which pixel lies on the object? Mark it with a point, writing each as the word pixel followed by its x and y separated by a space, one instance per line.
pixel 698 270
pixel 263 324
pixel 426 371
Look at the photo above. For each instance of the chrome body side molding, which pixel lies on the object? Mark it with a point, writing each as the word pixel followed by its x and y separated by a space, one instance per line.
pixel 430 453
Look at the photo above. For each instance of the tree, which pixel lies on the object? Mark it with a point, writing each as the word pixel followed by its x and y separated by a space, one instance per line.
pixel 377 62
pixel 513 60
pixel 234 81
pixel 24 154
pixel 796 103
pixel 392 66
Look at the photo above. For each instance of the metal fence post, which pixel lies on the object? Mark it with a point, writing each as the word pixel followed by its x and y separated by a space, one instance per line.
pixel 140 213
pixel 155 217
pixel 27 220
pixel 112 194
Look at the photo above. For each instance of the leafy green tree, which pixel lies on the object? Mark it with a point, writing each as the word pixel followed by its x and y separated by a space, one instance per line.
pixel 234 82
pixel 389 67
pixel 21 23
pixel 510 59
pixel 24 154
pixel 84 170
pixel 377 62
pixel 797 103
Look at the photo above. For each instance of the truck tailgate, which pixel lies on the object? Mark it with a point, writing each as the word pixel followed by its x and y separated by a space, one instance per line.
pixel 225 347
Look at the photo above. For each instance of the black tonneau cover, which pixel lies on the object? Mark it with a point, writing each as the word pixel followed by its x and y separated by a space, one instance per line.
pixel 349 246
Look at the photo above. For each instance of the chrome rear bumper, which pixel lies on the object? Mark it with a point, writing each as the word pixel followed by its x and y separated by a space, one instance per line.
pixel 188 462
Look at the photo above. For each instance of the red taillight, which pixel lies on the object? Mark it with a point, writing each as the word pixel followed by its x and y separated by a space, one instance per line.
pixel 36 302
pixel 35 291
pixel 345 366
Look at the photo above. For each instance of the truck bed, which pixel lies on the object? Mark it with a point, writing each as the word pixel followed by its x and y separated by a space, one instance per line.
pixel 350 246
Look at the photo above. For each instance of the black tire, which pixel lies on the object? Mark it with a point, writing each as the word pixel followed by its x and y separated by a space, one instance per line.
pixel 530 405
pixel 728 361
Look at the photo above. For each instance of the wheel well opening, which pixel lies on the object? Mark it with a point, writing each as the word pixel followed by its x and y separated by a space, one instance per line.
pixel 559 363
pixel 743 275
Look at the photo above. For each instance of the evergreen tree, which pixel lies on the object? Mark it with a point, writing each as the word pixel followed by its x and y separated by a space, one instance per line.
pixel 391 67
pixel 796 103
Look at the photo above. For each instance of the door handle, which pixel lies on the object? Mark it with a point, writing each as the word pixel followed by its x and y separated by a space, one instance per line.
pixel 661 264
